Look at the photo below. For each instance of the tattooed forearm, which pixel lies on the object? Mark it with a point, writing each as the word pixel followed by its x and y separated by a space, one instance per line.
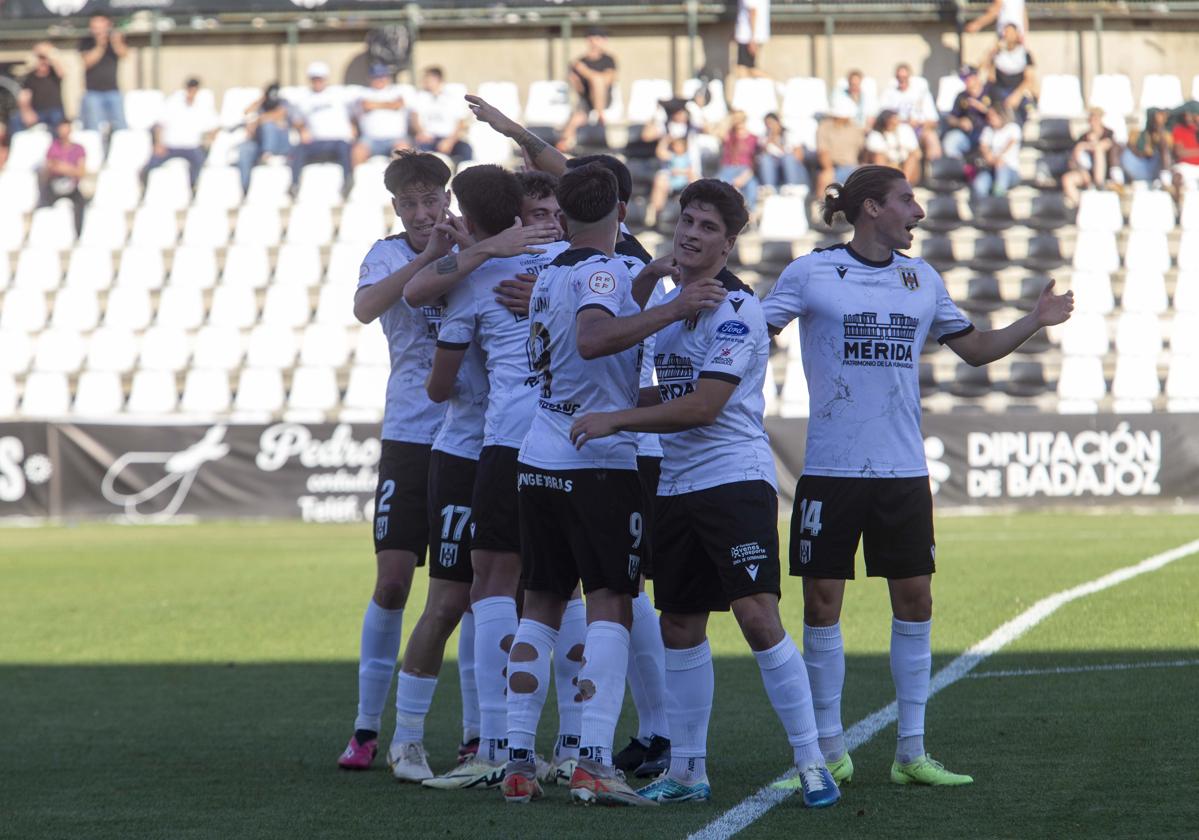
pixel 447 264
pixel 531 143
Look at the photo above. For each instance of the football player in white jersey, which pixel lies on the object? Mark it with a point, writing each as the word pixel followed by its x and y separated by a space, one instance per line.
pixel 716 511
pixel 865 310
pixel 417 183
pixel 581 510
pixel 490 197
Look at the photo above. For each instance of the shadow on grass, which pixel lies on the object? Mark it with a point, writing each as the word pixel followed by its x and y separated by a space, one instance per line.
pixel 248 750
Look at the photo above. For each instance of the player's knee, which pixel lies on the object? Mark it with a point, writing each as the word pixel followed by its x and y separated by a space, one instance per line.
pixel 759 622
pixel 390 593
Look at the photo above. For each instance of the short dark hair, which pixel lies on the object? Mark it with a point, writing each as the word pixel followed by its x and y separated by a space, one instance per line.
pixel 865 182
pixel 489 196
pixel 724 198
pixel 434 70
pixel 537 184
pixel 409 169
pixel 587 193
pixel 624 178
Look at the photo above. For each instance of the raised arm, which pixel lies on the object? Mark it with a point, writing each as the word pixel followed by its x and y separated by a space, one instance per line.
pixel 981 347
pixel 544 156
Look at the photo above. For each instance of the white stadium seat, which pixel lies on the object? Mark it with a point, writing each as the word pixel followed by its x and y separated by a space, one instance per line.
pixel 1081 385
pixel 1160 91
pixel 259 395
pixel 361 223
pixel 93 149
pixel 548 103
pixel 205 392
pixel 193 265
pixel 803 97
pixel 59 350
pixel 23 310
pixel 488 146
pixel 371 348
pixel 89 268
pixel 16 351
pixel 503 95
pixel 313 395
pixel 324 344
pixel 8 394
pixel 310 224
pixel 154 227
pixel 298 263
pixel 218 187
pixel 27 150
pixel 234 104
pixel 321 185
pixel 1085 334
pixel 104 227
pixel 1144 291
pixel 181 307
pixel 1186 291
pixel 1184 334
pixel 1188 252
pixel 168 187
pixel 1147 250
pixel 129 149
pixel 153 392
pixel 206 225
pixel 757 97
pixel 233 306
pixel 164 348
pixel 1135 384
pixel 1099 210
pixel 19 188
pixel 1152 210
pixel 286 305
pixel 784 217
pixel 128 307
pixel 644 98
pixel 1113 93
pixel 1092 291
pixel 218 347
pixel 270 346
pixel 117 189
pixel 247 265
pixel 345 262
pixel 1182 384
pixel 46 395
pixel 1138 334
pixel 270 186
pixel 257 225
pixel 38 268
pixel 98 395
pixel 1061 96
pixel 76 308
pixel 112 349
pixel 52 227
pixel 140 268
pixel 143 108
pixel 335 306
pixel 365 393
pixel 368 184
pixel 1095 251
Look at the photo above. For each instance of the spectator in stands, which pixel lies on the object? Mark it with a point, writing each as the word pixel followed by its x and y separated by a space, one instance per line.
pixel 673 117
pixel 865 106
pixel 64 168
pixel 40 99
pixel 102 51
pixel 998 154
pixel 780 162
pixel 1012 76
pixel 383 125
pixel 1092 154
pixel 1148 155
pixel 968 117
pixel 840 144
pixel 439 121
pixel 893 143
pixel 914 105
pixel 268 133
pixel 679 168
pixel 751 32
pixel 1184 144
pixel 738 152
pixel 323 122
pixel 592 76
pixel 1002 13
pixel 185 130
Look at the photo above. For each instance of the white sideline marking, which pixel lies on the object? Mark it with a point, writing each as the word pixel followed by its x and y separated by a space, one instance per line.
pixel 752 808
pixel 1085 669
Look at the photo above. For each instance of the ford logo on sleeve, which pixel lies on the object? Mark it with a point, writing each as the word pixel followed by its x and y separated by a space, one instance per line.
pixel 732 328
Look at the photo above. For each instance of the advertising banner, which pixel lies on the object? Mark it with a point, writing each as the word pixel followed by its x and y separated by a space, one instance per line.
pixel 41 9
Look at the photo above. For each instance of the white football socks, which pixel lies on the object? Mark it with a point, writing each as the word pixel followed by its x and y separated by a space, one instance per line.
pixel 647 671
pixel 601 687
pixel 824 656
pixel 528 681
pixel 786 682
pixel 414 696
pixel 495 622
pixel 911 669
pixel 376 663
pixel 572 633
pixel 466 678
pixel 690 685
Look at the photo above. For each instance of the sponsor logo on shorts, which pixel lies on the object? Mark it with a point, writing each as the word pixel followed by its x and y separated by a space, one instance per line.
pixel 748 556
pixel 932 552
pixel 805 552
pixel 752 568
pixel 602 283
pixel 449 555
pixel 552 482
pixel 733 328
pixel 380 527
pixel 634 566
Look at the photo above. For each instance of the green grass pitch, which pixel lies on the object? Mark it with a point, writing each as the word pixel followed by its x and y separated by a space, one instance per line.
pixel 199 681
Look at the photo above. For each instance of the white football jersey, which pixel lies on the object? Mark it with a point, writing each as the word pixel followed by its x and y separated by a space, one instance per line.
pixel 409 414
pixel 568 385
pixel 862 325
pixel 635 257
pixel 731 344
pixel 474 317
pixel 461 431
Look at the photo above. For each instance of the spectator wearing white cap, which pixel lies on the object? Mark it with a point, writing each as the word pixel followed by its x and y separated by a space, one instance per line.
pixel 439 121
pixel 323 121
pixel 185 130
pixel 840 142
pixel 383 118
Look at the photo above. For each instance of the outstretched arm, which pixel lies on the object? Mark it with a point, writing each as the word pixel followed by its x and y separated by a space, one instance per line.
pixel 981 347
pixel 699 408
pixel 600 334
pixel 543 156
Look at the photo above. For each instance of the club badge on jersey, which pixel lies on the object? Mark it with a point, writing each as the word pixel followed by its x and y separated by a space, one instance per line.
pixel 910 279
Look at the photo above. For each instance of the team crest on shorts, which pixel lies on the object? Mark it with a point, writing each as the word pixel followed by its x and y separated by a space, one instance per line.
pixel 805 552
pixel 634 566
pixel 380 527
pixel 909 278
pixel 449 555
